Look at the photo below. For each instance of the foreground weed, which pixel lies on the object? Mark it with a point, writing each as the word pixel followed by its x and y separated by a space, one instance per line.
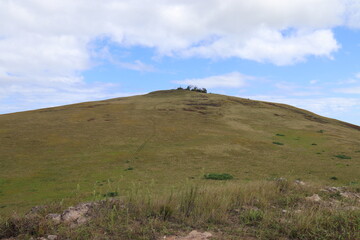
pixel 267 210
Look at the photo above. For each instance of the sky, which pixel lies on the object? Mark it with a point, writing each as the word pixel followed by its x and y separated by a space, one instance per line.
pixel 305 53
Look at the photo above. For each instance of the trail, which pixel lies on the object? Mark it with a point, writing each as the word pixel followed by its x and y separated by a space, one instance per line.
pixel 152 135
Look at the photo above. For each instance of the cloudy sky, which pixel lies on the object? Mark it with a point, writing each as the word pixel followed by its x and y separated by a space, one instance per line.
pixel 300 52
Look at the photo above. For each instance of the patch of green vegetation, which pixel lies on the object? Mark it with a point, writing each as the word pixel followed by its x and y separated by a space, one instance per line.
pixel 342 156
pixel 218 176
pixel 357 151
pixel 321 131
pixel 252 217
pixel 334 178
pixel 314 144
pixel 278 143
pixel 129 169
pixel 280 135
pixel 111 194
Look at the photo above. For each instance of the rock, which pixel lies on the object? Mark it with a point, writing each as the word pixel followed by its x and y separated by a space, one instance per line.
pixel 79 214
pixel 334 189
pixel 298 182
pixel 284 211
pixel 74 216
pixel 194 235
pixel 56 218
pixel 351 195
pixel 52 237
pixel 342 191
pixel 246 207
pixel 313 198
pixel 36 210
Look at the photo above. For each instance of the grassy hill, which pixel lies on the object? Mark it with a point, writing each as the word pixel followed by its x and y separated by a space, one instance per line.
pixel 163 139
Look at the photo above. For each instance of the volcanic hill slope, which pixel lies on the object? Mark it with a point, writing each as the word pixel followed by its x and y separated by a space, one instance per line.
pixel 161 140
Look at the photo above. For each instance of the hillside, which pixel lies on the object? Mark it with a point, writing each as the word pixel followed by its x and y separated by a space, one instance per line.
pixel 163 139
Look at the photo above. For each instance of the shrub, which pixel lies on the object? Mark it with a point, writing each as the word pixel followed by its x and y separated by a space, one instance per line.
pixel 341 156
pixel 218 176
pixel 334 178
pixel 280 135
pixel 278 143
pixel 129 169
pixel 111 194
pixel 252 217
pixel 193 88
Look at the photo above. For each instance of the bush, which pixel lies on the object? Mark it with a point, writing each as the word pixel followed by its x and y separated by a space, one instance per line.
pixel 218 176
pixel 111 194
pixel 341 156
pixel 278 143
pixel 193 88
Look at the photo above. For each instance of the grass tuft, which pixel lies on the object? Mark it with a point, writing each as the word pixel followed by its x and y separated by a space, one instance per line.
pixel 218 176
pixel 111 194
pixel 341 156
pixel 278 143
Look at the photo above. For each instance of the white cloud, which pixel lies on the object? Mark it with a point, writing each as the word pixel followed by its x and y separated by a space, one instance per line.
pixel 352 90
pixel 335 107
pixel 49 43
pixel 15 97
pixel 352 14
pixel 268 45
pixel 54 36
pixel 230 80
pixel 357 75
pixel 137 65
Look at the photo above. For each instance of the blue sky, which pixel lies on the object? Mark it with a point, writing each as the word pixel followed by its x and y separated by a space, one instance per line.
pixel 301 52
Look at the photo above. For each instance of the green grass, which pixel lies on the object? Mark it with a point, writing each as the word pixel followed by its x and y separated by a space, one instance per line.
pixel 218 176
pixel 169 138
pixel 278 143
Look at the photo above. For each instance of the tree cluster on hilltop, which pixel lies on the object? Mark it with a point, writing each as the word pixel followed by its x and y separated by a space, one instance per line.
pixel 193 88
